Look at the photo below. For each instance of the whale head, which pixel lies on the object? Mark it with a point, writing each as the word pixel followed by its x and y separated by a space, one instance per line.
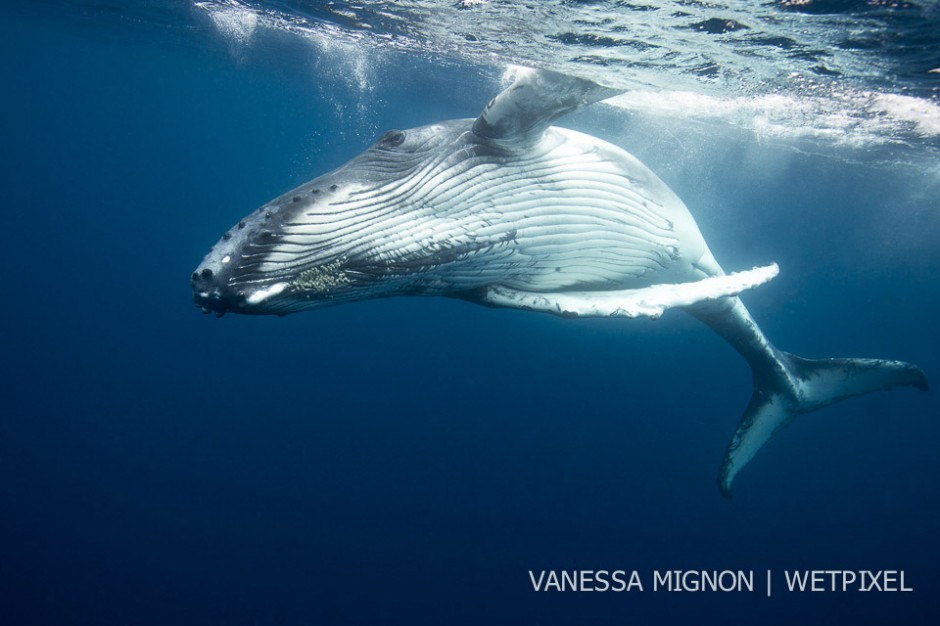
pixel 340 237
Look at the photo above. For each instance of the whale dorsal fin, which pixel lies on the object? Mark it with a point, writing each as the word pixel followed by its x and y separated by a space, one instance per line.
pixel 519 114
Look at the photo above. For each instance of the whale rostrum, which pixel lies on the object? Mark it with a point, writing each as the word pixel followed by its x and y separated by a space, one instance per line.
pixel 507 210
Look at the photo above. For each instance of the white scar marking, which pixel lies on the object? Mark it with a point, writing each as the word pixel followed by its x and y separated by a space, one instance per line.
pixel 263 294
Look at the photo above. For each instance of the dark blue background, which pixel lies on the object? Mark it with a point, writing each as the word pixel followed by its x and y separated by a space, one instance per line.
pixel 406 461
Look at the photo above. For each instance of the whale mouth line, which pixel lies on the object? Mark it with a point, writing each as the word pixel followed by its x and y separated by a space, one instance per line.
pixel 221 298
pixel 214 301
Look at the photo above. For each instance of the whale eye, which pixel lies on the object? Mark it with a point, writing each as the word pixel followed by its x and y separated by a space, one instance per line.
pixel 392 138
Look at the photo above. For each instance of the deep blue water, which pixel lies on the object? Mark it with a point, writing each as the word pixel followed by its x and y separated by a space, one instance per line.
pixel 407 461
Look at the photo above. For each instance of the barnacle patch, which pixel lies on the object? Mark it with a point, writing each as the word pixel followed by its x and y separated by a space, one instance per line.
pixel 322 278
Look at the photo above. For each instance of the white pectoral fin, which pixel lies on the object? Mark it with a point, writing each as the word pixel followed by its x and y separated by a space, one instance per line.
pixel 648 301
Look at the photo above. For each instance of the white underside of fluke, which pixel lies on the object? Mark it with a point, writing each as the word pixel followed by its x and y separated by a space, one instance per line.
pixel 648 301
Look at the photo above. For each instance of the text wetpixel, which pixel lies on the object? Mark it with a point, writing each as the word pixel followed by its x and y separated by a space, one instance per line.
pixel 846 580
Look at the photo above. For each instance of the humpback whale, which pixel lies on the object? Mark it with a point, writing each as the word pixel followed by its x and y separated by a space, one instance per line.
pixel 508 210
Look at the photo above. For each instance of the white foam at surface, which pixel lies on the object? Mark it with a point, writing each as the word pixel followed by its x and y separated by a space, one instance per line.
pixel 845 117
pixel 234 21
pixel 514 72
pixel 923 114
pixel 756 91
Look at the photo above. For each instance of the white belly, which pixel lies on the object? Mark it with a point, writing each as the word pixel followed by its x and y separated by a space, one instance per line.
pixel 571 213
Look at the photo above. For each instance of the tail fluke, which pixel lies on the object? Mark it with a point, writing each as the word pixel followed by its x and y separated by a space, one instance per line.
pixel 801 386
